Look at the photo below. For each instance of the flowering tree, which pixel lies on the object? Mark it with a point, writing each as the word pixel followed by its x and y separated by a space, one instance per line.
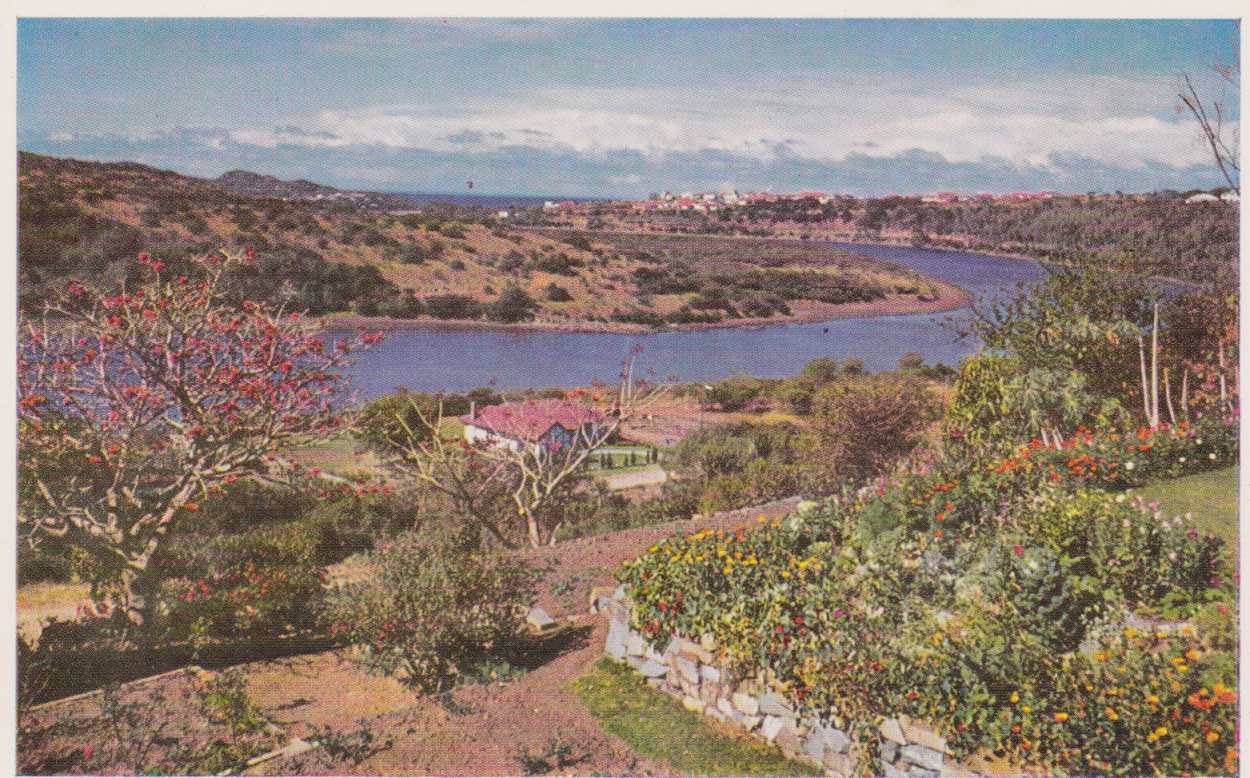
pixel 131 405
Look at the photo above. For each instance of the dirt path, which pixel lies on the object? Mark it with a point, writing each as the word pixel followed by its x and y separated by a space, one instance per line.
pixel 486 727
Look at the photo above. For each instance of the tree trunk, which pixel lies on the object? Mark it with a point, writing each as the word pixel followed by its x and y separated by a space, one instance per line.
pixel 1145 389
pixel 1167 395
pixel 1223 385
pixel 1185 393
pixel 1154 369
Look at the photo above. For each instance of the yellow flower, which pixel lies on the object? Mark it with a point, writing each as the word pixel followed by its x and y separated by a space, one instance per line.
pixel 761 518
pixel 1161 732
pixel 654 549
pixel 1213 736
pixel 785 573
pixel 1015 697
pixel 1026 708
pixel 1182 669
pixel 728 569
pixel 1061 717
pixel 1130 632
pixel 1193 655
pixel 1100 656
pixel 1111 714
pixel 803 565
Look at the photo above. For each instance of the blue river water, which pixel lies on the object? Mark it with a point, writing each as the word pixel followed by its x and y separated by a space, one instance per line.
pixel 453 361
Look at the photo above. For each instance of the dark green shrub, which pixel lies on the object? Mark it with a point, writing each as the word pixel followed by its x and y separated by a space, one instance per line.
pixel 265 582
pixel 432 606
pixel 513 305
pixel 38 565
pixel 557 293
pixel 453 306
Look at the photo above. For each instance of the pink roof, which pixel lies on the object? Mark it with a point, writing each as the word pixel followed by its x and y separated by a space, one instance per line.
pixel 531 419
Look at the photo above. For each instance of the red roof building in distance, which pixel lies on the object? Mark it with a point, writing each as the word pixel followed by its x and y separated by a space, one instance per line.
pixel 530 422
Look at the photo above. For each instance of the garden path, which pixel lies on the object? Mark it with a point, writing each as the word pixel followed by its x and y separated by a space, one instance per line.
pixel 483 728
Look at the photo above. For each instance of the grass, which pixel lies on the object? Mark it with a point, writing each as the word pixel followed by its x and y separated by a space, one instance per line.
pixel 657 727
pixel 1211 497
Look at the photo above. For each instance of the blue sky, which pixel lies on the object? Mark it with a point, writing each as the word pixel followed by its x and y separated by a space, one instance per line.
pixel 624 107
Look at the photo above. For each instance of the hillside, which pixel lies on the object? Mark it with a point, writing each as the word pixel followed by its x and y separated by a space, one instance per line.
pixel 337 252
pixel 1157 233
pixel 248 184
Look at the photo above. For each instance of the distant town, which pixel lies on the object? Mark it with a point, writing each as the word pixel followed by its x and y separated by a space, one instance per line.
pixel 711 202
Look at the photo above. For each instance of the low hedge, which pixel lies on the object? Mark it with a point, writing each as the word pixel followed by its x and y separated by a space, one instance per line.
pixel 992 601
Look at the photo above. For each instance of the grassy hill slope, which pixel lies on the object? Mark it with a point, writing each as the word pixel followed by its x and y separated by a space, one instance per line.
pixel 88 219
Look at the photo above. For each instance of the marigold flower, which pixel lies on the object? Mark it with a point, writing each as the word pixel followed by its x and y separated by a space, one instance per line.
pixel 1015 697
pixel 1213 736
pixel 1061 717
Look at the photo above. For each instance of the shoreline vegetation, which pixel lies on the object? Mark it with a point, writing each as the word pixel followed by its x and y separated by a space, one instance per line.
pixel 951 298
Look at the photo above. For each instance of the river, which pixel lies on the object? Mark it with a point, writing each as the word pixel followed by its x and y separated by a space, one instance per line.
pixel 453 361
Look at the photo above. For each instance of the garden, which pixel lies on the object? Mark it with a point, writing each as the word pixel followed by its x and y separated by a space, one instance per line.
pixel 1025 611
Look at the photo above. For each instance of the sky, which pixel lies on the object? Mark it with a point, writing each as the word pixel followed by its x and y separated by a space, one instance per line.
pixel 621 108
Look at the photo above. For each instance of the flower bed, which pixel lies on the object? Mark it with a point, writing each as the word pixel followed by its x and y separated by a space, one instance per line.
pixel 1124 460
pixel 995 603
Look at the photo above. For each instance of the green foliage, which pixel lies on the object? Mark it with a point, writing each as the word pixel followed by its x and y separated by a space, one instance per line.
pixel 978 414
pixel 264 582
pixel 557 294
pixel 736 393
pixel 868 424
pixel 560 263
pixel 657 727
pixel 453 306
pixel 965 593
pixel 513 305
pixel 432 606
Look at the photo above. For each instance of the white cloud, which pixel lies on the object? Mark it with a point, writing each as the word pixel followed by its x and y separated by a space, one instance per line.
pixel 1119 121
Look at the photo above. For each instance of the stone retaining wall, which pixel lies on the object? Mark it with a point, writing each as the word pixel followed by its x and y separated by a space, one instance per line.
pixel 688 671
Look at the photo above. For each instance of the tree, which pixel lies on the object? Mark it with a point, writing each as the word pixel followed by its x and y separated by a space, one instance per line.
pixel 512 306
pixel 537 477
pixel 133 405
pixel 868 423
pixel 1079 338
pixel 1210 118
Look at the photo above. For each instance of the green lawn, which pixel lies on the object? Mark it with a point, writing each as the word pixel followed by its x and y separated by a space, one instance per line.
pixel 1211 497
pixel 657 727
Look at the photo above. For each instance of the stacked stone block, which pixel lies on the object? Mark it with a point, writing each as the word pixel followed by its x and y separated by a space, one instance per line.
pixel 688 671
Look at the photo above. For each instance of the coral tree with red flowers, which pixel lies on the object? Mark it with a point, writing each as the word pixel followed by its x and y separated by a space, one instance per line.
pixel 133 404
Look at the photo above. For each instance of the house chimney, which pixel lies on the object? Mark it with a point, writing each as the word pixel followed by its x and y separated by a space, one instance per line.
pixel 472 409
